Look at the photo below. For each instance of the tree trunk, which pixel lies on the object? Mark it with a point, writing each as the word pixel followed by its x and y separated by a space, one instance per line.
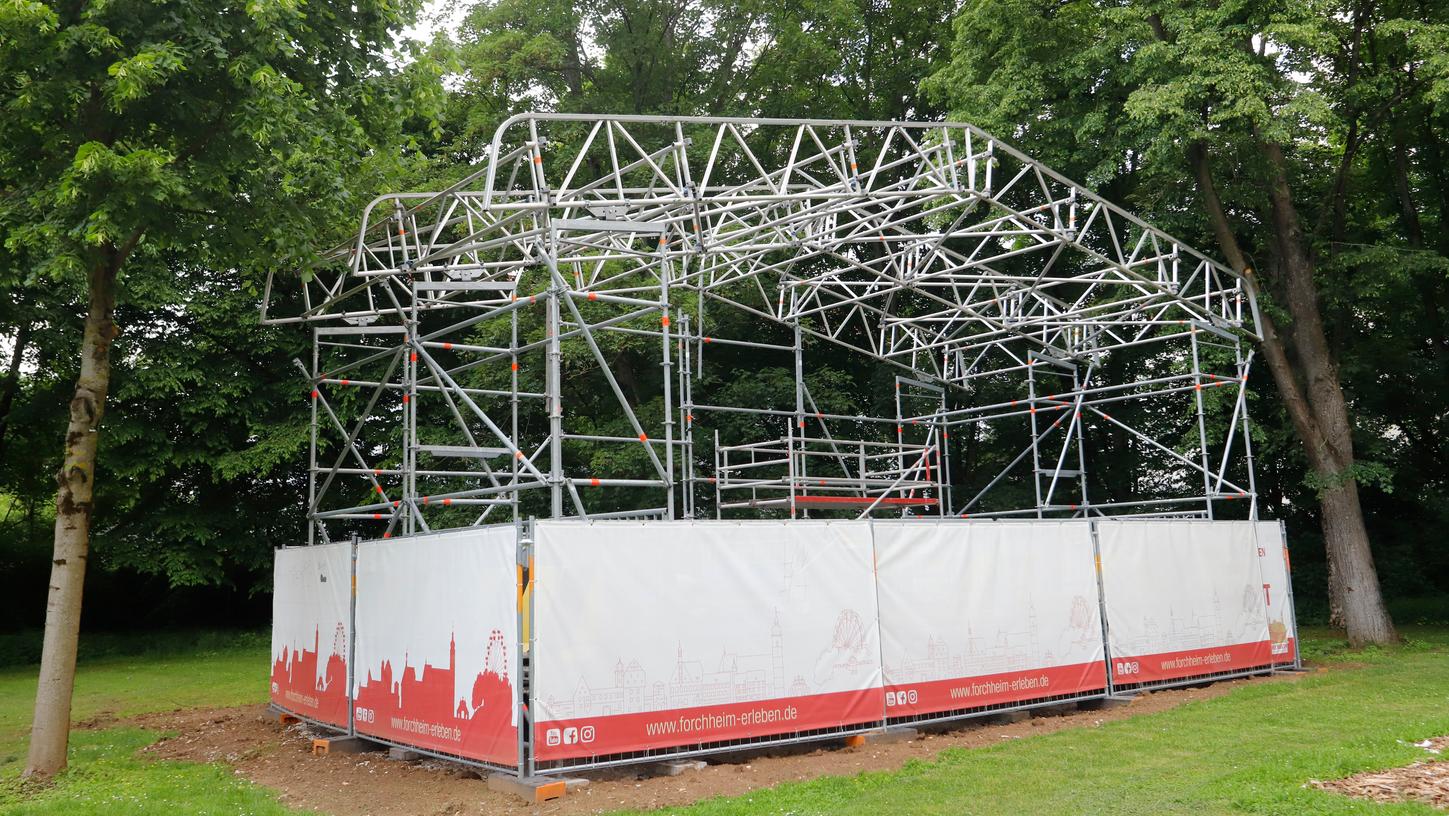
pixel 1353 584
pixel 1315 404
pixel 1353 579
pixel 50 731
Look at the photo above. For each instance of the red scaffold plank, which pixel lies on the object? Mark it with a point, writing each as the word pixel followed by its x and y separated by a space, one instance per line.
pixel 862 501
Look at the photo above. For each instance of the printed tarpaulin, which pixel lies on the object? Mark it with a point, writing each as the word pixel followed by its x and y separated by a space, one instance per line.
pixel 311 611
pixel 1282 625
pixel 669 634
pixel 1183 598
pixel 437 620
pixel 662 634
pixel 986 613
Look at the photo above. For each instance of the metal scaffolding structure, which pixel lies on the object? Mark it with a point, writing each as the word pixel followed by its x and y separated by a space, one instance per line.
pixel 931 250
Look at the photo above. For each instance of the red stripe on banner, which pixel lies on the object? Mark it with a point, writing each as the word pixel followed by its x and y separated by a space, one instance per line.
pixel 599 736
pixel 1151 668
pixel 933 696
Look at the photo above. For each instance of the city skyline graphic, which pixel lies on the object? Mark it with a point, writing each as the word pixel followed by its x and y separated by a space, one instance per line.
pixel 1004 650
pixel 732 677
pixel 1197 629
pixel 818 642
pixel 302 683
pixel 423 705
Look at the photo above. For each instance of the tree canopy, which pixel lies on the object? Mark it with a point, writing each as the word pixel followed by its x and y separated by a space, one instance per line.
pixel 203 145
pixel 1301 141
pixel 153 158
pixel 206 144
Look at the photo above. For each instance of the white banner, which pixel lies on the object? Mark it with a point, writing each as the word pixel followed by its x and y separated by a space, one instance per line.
pixel 1282 626
pixel 437 621
pixel 657 634
pixel 311 611
pixel 1183 598
pixel 982 613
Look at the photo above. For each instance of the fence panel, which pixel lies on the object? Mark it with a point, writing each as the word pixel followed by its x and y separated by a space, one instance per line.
pixel 660 635
pixel 437 623
pixel 311 618
pixel 657 637
pixel 1278 592
pixel 1183 598
pixel 987 614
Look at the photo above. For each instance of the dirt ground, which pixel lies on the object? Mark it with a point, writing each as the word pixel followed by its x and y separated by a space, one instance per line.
pixel 1424 781
pixel 264 751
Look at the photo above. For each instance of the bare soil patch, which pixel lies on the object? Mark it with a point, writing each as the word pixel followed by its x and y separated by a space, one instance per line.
pixel 262 750
pixel 1425 781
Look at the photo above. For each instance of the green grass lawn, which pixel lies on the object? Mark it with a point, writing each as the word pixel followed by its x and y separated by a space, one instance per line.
pixel 106 776
pixel 1250 751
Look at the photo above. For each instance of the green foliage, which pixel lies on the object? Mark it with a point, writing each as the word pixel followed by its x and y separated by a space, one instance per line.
pixel 821 58
pixel 194 148
pixel 207 423
pixel 23 648
pixel 227 136
pixel 1122 96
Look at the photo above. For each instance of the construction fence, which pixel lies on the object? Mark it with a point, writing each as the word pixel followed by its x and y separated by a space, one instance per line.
pixel 561 645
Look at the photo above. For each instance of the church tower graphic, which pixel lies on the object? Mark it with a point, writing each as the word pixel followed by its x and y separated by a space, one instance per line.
pixel 777 659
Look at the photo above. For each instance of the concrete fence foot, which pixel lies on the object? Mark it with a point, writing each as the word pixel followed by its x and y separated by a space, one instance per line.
pixel 533 789
pixel 403 754
pixel 674 767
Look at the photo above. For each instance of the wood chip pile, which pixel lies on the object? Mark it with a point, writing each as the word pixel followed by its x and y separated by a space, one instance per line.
pixel 1424 781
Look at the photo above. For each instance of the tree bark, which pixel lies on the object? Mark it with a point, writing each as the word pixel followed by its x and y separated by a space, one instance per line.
pixel 1353 583
pixel 1316 404
pixel 50 731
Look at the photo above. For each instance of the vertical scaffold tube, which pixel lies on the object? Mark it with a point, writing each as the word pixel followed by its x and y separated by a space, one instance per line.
pixel 1031 412
pixel 1207 483
pixel 555 407
pixel 668 362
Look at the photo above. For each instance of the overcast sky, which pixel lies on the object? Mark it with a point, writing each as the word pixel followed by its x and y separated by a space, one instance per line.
pixel 437 15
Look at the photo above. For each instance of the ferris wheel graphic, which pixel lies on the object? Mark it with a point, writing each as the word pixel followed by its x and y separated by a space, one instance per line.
pixel 495 658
